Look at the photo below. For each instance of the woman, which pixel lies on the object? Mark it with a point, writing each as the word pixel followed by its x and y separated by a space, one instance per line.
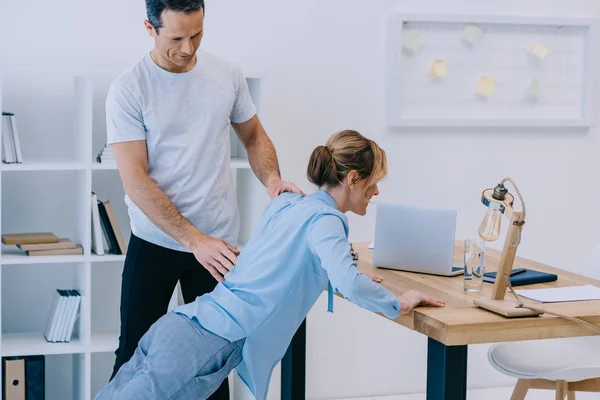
pixel 300 243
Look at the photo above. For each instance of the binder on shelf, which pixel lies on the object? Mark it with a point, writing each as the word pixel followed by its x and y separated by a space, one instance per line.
pixel 10 139
pixel 116 229
pixel 97 244
pixel 35 378
pixel 23 378
pixel 13 378
pixel 107 228
pixel 74 314
pixel 17 143
pixel 52 317
pixel 63 315
pixel 60 316
pixel 7 154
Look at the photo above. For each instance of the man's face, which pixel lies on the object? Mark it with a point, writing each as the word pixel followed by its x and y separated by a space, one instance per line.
pixel 179 38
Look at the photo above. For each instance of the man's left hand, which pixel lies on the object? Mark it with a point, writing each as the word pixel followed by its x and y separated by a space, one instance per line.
pixel 278 186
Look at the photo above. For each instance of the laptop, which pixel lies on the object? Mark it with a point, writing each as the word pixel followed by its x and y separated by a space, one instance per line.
pixel 416 239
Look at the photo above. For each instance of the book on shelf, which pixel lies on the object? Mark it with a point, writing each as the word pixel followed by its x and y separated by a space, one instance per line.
pixel 75 251
pixel 43 244
pixel 97 235
pixel 11 145
pixel 105 227
pixel 29 238
pixel 62 243
pixel 63 315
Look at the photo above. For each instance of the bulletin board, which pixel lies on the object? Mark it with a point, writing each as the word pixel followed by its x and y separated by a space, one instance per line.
pixel 449 70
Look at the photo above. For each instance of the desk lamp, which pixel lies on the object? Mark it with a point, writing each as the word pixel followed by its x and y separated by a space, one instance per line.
pixel 500 202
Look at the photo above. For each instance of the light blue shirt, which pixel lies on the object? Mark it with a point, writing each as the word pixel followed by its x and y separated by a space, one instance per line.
pixel 299 243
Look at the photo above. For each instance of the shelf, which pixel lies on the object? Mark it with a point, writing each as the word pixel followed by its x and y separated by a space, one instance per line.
pixel 104 342
pixel 27 344
pixel 106 166
pixel 44 165
pixel 108 258
pixel 236 163
pixel 13 259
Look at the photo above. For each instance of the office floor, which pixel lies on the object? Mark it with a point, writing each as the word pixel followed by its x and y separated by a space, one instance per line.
pixel 501 393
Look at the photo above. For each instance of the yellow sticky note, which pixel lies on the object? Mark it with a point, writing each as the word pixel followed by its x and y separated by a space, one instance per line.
pixel 486 86
pixel 438 68
pixel 472 34
pixel 539 50
pixel 535 88
pixel 412 40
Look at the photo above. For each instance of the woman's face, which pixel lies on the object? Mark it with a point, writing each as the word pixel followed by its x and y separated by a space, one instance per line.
pixel 360 196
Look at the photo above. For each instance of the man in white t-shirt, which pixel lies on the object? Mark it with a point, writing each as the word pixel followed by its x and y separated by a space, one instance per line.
pixel 168 120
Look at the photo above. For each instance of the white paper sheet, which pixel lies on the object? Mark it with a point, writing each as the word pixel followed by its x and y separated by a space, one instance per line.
pixel 555 295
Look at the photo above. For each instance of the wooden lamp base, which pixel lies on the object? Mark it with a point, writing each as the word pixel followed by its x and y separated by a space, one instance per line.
pixel 507 308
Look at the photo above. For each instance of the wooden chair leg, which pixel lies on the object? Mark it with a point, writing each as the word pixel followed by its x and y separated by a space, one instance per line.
pixel 561 390
pixel 521 389
pixel 570 395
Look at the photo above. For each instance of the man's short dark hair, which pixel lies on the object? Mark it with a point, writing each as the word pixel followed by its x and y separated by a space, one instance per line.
pixel 155 8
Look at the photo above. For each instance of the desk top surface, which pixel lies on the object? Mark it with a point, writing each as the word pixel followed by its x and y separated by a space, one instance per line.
pixel 460 322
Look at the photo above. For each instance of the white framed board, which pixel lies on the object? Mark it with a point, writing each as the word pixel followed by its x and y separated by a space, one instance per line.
pixel 467 70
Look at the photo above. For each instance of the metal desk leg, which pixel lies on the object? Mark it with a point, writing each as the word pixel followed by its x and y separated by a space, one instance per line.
pixel 293 367
pixel 446 371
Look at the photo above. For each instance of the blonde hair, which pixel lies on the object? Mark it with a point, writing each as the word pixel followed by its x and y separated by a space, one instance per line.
pixel 343 152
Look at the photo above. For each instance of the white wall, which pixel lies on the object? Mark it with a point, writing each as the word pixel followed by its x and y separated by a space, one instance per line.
pixel 323 63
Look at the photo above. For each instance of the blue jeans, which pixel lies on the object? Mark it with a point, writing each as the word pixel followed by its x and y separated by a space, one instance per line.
pixel 175 359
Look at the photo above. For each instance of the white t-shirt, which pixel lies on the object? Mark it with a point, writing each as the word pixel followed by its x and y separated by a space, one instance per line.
pixel 185 120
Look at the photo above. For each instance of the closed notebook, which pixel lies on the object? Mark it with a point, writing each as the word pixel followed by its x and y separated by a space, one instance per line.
pixel 28 238
pixel 62 244
pixel 527 277
pixel 76 251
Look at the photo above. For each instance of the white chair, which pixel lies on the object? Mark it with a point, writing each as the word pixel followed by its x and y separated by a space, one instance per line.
pixel 566 365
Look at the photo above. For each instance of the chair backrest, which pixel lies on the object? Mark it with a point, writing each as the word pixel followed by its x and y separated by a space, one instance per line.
pixel 591 268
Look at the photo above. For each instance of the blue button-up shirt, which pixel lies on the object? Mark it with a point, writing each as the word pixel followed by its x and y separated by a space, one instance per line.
pixel 300 243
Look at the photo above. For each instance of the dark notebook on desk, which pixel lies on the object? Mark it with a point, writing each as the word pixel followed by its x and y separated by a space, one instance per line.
pixel 523 277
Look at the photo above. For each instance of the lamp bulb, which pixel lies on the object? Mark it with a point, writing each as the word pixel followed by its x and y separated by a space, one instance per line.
pixel 489 230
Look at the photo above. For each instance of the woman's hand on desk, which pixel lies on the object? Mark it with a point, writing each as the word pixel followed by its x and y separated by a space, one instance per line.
pixel 375 278
pixel 412 299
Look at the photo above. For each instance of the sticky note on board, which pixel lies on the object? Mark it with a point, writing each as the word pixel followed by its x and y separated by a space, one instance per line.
pixel 412 41
pixel 486 86
pixel 539 50
pixel 535 88
pixel 438 68
pixel 472 34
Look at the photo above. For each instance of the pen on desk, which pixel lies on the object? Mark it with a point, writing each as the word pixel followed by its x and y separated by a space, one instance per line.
pixel 517 271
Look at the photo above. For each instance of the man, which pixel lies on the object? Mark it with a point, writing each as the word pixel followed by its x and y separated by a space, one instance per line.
pixel 168 121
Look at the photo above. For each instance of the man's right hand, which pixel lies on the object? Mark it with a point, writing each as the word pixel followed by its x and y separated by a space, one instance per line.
pixel 216 255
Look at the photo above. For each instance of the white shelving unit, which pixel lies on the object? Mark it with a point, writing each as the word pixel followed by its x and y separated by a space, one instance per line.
pixel 65 117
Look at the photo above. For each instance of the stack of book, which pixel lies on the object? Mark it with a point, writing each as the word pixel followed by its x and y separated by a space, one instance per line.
pixel 106 155
pixel 42 244
pixel 106 233
pixel 62 317
pixel 11 146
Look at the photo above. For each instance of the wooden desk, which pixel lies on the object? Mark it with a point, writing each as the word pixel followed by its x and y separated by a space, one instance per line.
pixel 452 328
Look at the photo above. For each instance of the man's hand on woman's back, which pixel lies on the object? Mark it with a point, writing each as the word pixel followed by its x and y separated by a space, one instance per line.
pixel 216 255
